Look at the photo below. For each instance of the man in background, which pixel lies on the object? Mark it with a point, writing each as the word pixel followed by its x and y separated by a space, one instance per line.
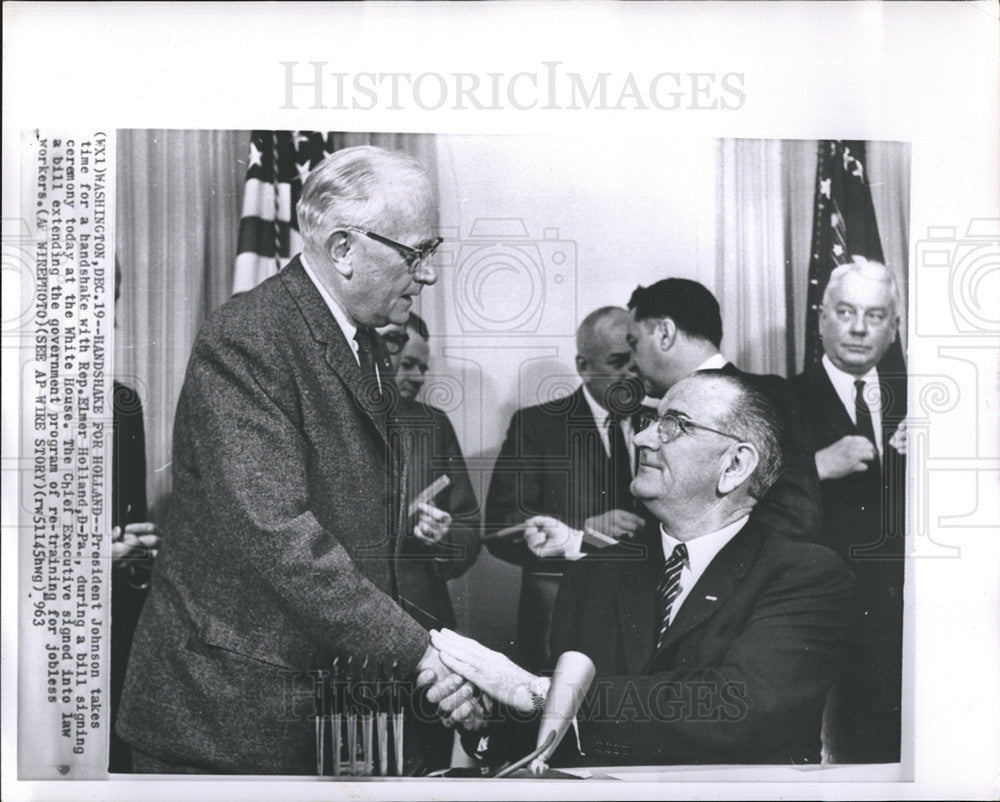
pixel 288 503
pixel 570 458
pixel 675 329
pixel 857 417
pixel 443 532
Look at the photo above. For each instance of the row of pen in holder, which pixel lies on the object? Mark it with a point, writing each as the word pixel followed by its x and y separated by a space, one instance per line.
pixel 361 706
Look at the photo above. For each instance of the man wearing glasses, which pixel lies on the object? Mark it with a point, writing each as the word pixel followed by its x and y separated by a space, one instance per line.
pixel 287 490
pixel 719 641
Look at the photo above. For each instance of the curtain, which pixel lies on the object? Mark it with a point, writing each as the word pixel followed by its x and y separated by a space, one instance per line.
pixel 752 254
pixel 178 209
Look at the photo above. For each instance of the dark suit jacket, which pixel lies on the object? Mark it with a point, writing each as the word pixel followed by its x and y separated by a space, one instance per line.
pixel 745 669
pixel 424 571
pixel 128 493
pixel 792 506
pixel 282 541
pixel 552 462
pixel 863 521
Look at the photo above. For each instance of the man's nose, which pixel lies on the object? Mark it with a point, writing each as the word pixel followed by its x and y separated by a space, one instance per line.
pixel 426 274
pixel 859 326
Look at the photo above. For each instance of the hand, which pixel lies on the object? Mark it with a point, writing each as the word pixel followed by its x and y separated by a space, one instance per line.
pixel 135 542
pixel 618 524
pixel 432 524
pixel 549 537
pixel 490 671
pixel 430 669
pixel 850 454
pixel 898 439
pixel 460 703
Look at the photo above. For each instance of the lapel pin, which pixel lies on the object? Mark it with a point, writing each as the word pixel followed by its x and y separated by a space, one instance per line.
pixel 711 598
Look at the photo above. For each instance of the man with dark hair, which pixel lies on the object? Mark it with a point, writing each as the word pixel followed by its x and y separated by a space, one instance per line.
pixel 568 458
pixel 716 644
pixel 675 330
pixel 857 417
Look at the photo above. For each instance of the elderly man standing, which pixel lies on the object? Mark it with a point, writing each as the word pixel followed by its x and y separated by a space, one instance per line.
pixel 857 416
pixel 286 513
pixel 719 642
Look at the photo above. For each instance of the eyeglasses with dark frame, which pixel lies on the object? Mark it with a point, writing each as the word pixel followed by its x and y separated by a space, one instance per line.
pixel 671 425
pixel 415 258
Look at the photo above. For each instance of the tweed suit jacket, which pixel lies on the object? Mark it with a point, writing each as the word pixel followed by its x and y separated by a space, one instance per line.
pixel 281 544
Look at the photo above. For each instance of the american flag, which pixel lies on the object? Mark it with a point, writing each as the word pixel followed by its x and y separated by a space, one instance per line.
pixel 269 230
pixel 844 225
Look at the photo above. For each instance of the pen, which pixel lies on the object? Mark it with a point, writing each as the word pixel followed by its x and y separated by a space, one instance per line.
pixel 367 719
pixel 352 720
pixel 319 711
pixel 381 695
pixel 336 722
pixel 397 717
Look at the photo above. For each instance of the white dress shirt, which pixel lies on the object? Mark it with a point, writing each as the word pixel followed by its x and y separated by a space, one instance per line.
pixel 701 551
pixel 843 383
pixel 339 315
pixel 602 419
pixel 714 362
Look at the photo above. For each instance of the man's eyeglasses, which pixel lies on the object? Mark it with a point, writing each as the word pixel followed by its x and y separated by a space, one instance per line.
pixel 415 258
pixel 395 341
pixel 672 425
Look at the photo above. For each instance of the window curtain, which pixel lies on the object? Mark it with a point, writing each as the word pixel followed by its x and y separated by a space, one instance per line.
pixel 178 209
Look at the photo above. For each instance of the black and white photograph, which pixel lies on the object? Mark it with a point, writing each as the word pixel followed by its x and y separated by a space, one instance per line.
pixel 361 449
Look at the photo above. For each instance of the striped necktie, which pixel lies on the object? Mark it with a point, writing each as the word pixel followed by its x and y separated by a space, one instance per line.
pixel 670 587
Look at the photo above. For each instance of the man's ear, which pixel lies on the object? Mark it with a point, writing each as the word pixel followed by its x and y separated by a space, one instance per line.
pixel 338 249
pixel 741 462
pixel 666 331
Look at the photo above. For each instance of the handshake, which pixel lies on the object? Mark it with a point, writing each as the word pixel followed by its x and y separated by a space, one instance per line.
pixel 464 678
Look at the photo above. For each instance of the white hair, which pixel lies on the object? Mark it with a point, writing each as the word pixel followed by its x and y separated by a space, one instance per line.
pixel 873 271
pixel 362 187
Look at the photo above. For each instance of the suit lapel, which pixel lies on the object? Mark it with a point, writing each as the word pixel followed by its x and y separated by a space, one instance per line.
pixel 337 353
pixel 827 397
pixel 716 584
pixel 636 608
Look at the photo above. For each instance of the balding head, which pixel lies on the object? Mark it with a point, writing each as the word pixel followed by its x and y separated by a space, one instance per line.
pixel 603 358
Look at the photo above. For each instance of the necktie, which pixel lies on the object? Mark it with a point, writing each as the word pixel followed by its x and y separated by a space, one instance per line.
pixel 621 469
pixel 378 390
pixel 670 587
pixel 863 414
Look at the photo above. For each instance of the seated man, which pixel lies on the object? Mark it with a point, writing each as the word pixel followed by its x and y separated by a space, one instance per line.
pixel 718 642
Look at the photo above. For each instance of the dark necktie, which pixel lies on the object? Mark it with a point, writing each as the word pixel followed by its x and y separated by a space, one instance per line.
pixel 378 390
pixel 863 415
pixel 669 588
pixel 621 468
